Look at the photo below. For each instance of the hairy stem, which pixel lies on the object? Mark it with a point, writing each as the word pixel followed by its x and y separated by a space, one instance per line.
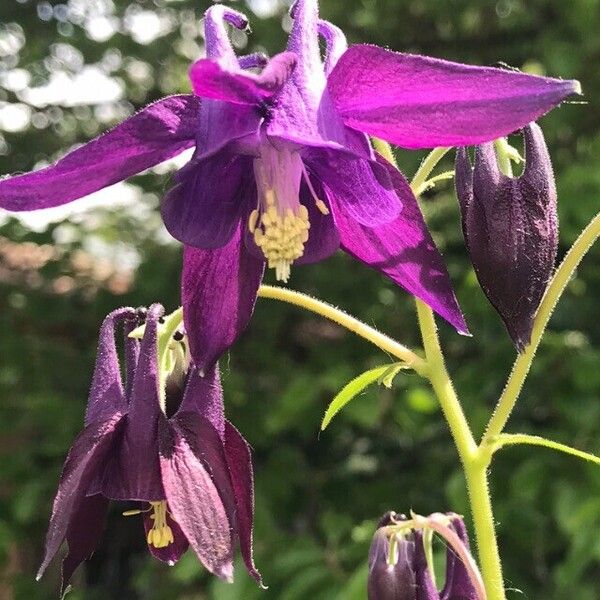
pixel 514 439
pixel 555 290
pixel 338 316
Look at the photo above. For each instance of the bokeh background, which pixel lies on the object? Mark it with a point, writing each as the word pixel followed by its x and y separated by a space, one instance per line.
pixel 69 70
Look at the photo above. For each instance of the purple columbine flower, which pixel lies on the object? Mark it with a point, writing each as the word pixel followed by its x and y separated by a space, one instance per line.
pixel 189 469
pixel 283 172
pixel 511 229
pixel 406 575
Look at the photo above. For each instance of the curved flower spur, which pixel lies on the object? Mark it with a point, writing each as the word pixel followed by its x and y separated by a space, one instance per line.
pixel 283 172
pixel 161 440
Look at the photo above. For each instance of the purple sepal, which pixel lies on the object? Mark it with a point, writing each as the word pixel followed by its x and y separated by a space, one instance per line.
pixel 511 230
pixel 421 102
pixel 153 135
pixel 219 290
pixel 85 529
pixel 404 251
pixel 391 581
pixel 203 511
pixel 239 461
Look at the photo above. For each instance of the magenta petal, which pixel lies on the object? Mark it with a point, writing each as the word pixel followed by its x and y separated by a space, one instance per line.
pixel 198 506
pixel 363 187
pixel 206 204
pixel 173 552
pixel 239 460
pixel 156 133
pixel 107 395
pixel 211 80
pixel 404 251
pixel 421 102
pixel 204 396
pixel 219 290
pixel 86 457
pixel 85 529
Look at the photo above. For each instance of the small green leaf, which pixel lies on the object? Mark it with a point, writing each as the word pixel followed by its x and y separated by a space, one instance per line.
pixel 352 389
pixel 388 377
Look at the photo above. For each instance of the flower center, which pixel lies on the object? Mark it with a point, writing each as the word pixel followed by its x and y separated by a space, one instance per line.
pixel 160 534
pixel 280 223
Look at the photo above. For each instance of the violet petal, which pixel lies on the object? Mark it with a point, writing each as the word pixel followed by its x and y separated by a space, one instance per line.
pixel 458 584
pixel 133 472
pixel 304 113
pixel 363 187
pixel 86 457
pixel 210 80
pixel 107 395
pixel 204 396
pixel 156 133
pixel 426 588
pixel 404 251
pixel 421 102
pixel 205 206
pixel 239 461
pixel 219 290
pixel 194 499
pixel 84 531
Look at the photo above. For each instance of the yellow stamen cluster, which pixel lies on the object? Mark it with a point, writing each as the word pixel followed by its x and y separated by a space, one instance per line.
pixel 160 535
pixel 280 236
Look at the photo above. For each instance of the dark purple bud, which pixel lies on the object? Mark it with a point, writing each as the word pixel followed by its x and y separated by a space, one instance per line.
pixel 511 229
pixel 391 578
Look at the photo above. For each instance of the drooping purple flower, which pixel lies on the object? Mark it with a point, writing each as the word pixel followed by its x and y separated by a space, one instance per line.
pixel 283 172
pixel 406 575
pixel 188 469
pixel 511 229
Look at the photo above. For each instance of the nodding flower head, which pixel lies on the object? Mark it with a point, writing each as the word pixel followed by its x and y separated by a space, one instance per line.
pixel 398 560
pixel 511 229
pixel 158 439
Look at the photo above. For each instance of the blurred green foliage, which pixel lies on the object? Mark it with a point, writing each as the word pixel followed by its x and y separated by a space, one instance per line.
pixel 317 498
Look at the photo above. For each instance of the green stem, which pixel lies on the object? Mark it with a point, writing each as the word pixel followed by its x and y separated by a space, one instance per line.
pixel 338 316
pixel 522 365
pixel 513 439
pixel 427 166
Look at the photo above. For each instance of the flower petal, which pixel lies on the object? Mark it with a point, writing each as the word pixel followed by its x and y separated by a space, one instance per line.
pixel 210 80
pixel 304 113
pixel 204 396
pixel 85 459
pixel 205 206
pixel 364 188
pixel 133 472
pixel 425 585
pixel 404 251
pixel 421 102
pixel 219 290
pixel 175 550
pixel 458 584
pixel 107 395
pixel 198 489
pixel 85 528
pixel 156 133
pixel 239 461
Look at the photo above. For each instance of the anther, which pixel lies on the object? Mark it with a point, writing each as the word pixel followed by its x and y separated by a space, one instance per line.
pixel 178 336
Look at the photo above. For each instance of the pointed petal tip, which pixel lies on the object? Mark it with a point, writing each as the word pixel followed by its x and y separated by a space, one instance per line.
pixel 576 87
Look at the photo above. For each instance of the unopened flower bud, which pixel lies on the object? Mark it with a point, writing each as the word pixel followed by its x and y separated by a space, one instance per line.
pixel 511 229
pixel 391 577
